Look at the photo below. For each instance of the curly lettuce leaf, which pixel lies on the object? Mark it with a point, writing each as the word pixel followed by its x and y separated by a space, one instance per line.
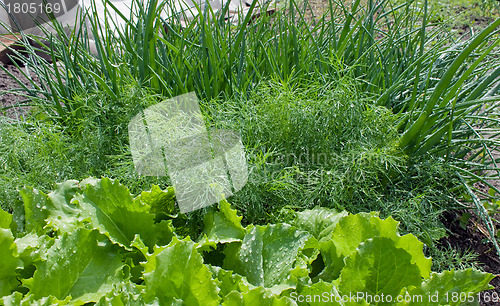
pixel 5 219
pixel 53 210
pixel 257 296
pixel 323 293
pixel 444 285
pixel 352 230
pixel 62 195
pixel 160 201
pixel 35 209
pixel 10 262
pixel 63 215
pixel 223 226
pixel 268 254
pixel 32 248
pixel 109 207
pixel 83 265
pixel 18 299
pixel 227 281
pixel 378 267
pixel 7 222
pixel 125 293
pixel 176 273
pixel 314 294
pixel 319 222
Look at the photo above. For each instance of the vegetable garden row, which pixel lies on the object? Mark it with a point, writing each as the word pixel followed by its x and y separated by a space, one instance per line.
pixel 362 128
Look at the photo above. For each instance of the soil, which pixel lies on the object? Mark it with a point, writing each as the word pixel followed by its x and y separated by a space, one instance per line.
pixel 473 236
pixel 10 101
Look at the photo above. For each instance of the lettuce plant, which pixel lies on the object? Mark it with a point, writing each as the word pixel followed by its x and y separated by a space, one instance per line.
pixel 92 242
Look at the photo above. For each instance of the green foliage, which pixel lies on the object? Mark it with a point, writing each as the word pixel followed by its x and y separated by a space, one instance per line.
pixel 48 263
pixel 462 16
pixel 266 256
pixel 446 257
pixel 347 85
pixel 378 267
pixel 215 57
pixel 176 273
pixel 469 279
pixel 225 227
pixel 354 229
pixel 310 144
pixel 390 50
pixel 425 130
pixel 110 208
pixel 5 219
pixel 92 142
pixel 39 157
pixel 10 262
pixel 256 296
pixel 83 265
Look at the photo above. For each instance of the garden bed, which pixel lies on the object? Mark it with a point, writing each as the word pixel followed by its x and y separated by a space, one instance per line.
pixel 400 131
pixel 11 100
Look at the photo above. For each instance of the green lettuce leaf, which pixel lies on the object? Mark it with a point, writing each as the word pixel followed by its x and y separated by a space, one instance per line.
pixel 63 194
pixel 314 294
pixel 125 293
pixel 5 219
pixel 53 210
pixel 32 248
pixel 227 281
pixel 164 231
pixel 17 299
pixel 83 265
pixel 268 254
pixel 10 262
pixel 176 273
pixel 225 225
pixel 257 296
pixel 63 215
pixel 452 287
pixel 319 222
pixel 160 201
pixel 35 210
pixel 352 230
pixel 378 267
pixel 109 207
pixel 162 205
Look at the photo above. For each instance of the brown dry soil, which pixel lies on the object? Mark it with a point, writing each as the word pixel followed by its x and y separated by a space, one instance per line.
pixel 10 101
pixel 472 237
